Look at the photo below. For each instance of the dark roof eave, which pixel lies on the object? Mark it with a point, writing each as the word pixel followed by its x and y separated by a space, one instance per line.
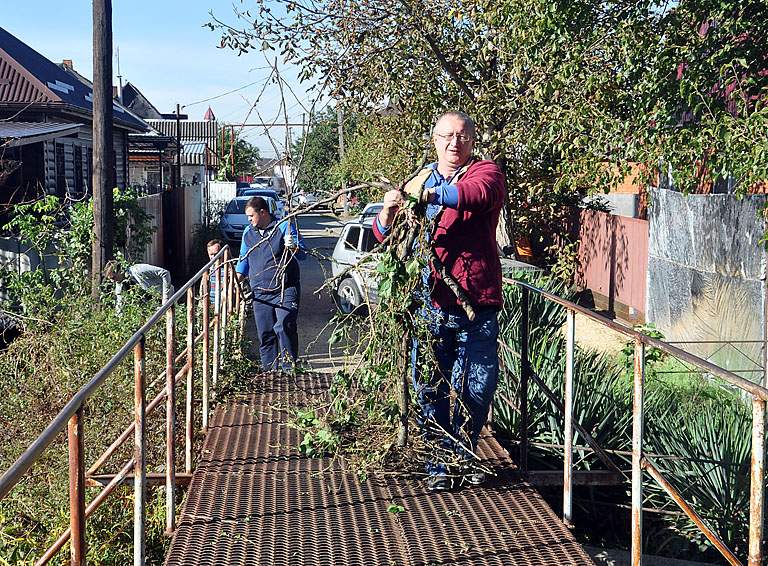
pixel 68 109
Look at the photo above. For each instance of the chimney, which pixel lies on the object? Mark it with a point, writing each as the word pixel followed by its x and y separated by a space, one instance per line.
pixel 67 64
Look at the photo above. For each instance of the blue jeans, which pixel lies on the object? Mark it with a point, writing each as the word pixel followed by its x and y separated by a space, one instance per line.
pixel 468 363
pixel 275 315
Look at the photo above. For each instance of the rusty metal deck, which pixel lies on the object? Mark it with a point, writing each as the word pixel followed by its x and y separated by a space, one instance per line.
pixel 253 500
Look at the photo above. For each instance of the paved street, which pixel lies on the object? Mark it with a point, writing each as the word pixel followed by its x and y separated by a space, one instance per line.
pixel 320 232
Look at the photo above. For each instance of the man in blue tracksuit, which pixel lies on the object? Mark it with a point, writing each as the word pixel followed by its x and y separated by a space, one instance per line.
pixel 268 255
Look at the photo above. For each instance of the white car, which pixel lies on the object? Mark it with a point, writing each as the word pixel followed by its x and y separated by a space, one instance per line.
pixel 358 287
pixel 261 183
pixel 371 210
pixel 301 199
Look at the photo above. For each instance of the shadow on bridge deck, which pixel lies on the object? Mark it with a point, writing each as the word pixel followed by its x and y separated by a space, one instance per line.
pixel 254 500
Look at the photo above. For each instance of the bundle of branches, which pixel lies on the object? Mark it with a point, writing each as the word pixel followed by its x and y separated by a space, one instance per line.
pixel 366 417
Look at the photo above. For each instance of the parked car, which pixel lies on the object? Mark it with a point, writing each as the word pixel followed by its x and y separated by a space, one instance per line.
pixel 233 221
pixel 358 287
pixel 371 210
pixel 261 183
pixel 301 199
pixel 265 193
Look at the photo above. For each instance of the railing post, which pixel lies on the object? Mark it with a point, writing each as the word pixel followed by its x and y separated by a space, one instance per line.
pixel 139 473
pixel 76 488
pixel 756 490
pixel 224 299
pixel 170 422
pixel 570 346
pixel 190 413
pixel 524 369
pixel 241 322
pixel 206 298
pixel 217 322
pixel 237 307
pixel 231 288
pixel 637 454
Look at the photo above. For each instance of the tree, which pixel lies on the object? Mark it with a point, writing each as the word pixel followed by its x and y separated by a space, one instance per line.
pixel 521 69
pixel 246 156
pixel 705 95
pixel 316 152
pixel 567 94
pixel 376 149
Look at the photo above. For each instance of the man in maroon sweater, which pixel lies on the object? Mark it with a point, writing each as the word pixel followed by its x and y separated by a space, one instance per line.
pixel 465 196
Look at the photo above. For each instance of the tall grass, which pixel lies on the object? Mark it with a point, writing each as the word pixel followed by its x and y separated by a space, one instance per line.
pixel 39 372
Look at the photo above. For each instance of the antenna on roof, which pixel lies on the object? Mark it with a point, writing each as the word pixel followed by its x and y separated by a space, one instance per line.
pixel 119 77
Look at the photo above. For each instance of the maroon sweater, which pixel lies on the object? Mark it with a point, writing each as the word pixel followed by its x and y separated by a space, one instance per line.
pixel 465 239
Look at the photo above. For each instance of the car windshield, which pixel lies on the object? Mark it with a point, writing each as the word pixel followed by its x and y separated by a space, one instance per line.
pixel 236 207
pixel 260 193
pixel 372 210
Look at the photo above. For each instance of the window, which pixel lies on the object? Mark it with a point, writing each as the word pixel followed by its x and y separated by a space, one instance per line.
pixel 369 240
pixel 79 185
pixel 61 175
pixel 353 237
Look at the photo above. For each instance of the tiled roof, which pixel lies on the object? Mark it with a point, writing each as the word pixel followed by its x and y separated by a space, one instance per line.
pixel 26 77
pixel 191 130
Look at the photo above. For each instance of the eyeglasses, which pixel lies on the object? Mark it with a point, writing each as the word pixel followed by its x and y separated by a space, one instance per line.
pixel 461 138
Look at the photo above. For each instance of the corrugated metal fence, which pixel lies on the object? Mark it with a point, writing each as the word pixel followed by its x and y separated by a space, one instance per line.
pixel 613 262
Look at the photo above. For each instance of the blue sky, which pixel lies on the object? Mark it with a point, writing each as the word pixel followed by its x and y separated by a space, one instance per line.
pixel 166 53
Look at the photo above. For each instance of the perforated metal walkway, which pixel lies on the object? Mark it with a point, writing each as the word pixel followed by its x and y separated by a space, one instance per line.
pixel 253 500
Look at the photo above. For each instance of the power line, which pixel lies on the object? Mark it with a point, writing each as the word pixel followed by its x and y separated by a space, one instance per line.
pixel 223 94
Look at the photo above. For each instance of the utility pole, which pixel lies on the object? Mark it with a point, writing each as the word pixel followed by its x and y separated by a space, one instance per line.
pixel 340 120
pixel 232 149
pixel 178 147
pixel 103 146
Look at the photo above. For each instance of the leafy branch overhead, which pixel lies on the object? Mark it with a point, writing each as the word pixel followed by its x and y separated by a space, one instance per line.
pixel 559 88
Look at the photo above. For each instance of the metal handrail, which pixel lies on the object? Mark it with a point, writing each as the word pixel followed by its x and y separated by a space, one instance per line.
pixel 640 461
pixel 752 388
pixel 70 416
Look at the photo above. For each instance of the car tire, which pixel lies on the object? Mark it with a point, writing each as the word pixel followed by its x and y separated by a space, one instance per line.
pixel 349 300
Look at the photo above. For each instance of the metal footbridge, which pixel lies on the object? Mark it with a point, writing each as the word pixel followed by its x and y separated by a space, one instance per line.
pixel 252 499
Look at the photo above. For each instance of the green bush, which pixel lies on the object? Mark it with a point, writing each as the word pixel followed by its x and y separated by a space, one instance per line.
pixel 65 342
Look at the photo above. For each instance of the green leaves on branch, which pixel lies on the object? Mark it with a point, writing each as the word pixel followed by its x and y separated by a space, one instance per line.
pixel 558 88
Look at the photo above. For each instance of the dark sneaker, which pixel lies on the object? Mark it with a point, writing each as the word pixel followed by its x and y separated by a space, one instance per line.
pixel 438 482
pixel 475 478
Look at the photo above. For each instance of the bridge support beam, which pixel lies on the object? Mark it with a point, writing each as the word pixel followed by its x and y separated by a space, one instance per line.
pixel 757 489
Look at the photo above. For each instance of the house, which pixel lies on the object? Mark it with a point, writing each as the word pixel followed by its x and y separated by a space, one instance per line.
pixel 133 99
pixel 200 143
pixel 153 154
pixel 46 123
